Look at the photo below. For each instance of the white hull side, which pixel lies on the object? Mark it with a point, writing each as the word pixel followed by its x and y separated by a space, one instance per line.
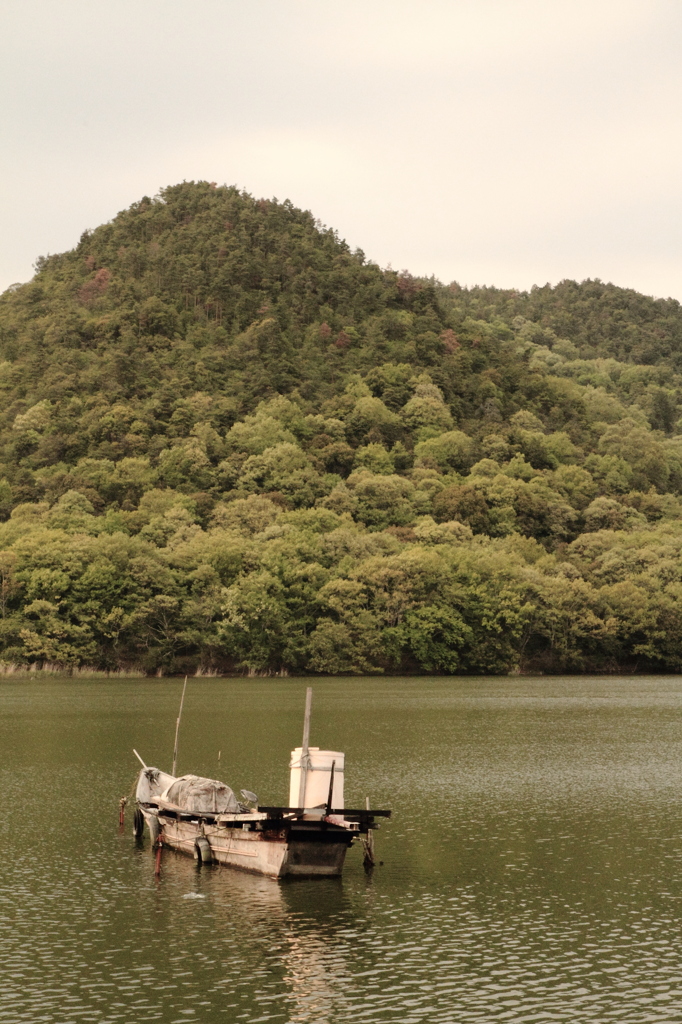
pixel 253 852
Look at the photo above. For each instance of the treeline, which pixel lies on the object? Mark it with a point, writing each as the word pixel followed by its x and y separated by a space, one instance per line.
pixel 227 441
pixel 312 590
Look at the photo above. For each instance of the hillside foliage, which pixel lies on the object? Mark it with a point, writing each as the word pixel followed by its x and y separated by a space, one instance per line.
pixel 228 442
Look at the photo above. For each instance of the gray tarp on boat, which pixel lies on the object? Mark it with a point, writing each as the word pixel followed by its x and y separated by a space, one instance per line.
pixel 201 796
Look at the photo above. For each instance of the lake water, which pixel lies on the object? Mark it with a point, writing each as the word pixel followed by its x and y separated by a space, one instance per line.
pixel 532 868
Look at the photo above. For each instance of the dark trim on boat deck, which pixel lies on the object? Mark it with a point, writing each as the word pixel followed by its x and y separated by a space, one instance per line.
pixel 343 812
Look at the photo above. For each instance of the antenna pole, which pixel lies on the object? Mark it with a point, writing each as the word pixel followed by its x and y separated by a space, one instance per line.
pixel 177 728
pixel 304 746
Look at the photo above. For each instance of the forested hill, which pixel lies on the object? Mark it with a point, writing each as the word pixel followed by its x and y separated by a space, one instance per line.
pixel 228 442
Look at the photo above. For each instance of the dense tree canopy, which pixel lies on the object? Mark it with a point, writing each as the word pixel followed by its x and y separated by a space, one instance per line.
pixel 229 442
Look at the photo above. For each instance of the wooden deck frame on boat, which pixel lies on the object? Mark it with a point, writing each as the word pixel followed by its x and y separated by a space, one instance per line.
pixel 275 841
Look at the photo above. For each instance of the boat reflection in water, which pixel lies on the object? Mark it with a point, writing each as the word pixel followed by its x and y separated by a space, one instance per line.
pixel 297 934
pixel 316 972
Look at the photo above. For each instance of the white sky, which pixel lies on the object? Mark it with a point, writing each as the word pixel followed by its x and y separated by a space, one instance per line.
pixel 506 142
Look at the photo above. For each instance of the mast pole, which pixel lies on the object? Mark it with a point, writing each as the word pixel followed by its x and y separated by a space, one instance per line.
pixel 177 727
pixel 304 746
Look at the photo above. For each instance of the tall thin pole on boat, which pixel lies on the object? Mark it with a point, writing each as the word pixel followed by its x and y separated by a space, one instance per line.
pixel 304 745
pixel 177 727
pixel 331 788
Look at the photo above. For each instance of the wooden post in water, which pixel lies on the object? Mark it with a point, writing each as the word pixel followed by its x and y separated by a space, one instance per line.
pixel 177 728
pixel 368 859
pixel 157 858
pixel 304 746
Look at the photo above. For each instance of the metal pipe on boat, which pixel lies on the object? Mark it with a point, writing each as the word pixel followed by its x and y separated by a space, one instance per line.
pixel 331 788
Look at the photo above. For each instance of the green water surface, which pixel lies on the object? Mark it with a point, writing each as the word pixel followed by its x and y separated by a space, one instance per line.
pixel 532 869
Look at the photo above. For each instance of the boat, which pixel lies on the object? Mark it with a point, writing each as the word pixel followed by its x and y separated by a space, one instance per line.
pixel 203 818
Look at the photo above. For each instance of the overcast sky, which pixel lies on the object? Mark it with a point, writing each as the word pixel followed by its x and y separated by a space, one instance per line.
pixel 506 142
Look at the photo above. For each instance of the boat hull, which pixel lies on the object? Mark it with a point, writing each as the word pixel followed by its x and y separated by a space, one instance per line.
pixel 301 852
